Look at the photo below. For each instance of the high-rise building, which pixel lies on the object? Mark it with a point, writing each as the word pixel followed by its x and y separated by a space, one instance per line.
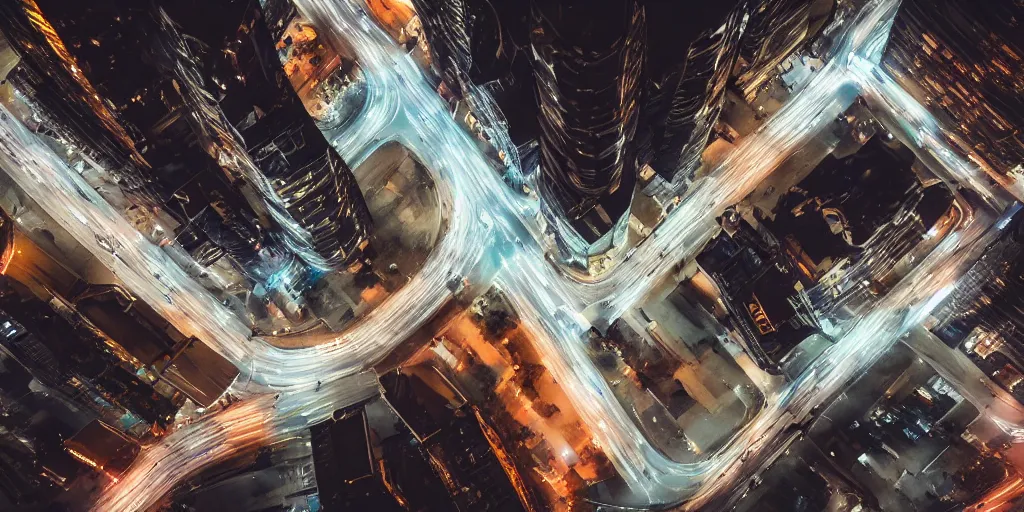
pixel 264 130
pixel 616 84
pixel 589 60
pixel 693 52
pixel 481 49
pixel 448 24
pixel 774 30
pixel 193 112
pixel 833 243
pixel 474 41
pixel 990 296
pixel 94 88
pixel 962 61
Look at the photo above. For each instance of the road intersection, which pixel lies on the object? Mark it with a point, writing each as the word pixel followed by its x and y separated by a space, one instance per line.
pixel 494 236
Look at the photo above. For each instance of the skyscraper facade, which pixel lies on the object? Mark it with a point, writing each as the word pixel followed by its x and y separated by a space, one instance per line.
pixel 615 85
pixel 262 129
pixel 775 29
pixel 962 61
pixel 589 60
pixel 179 105
pixel 687 87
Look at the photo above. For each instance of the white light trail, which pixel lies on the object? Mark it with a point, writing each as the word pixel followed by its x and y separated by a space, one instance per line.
pixel 401 106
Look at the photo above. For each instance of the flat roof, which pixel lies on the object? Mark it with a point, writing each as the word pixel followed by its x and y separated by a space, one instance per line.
pixel 103 448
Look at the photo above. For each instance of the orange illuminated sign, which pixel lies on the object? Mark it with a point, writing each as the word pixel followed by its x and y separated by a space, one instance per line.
pixel 756 311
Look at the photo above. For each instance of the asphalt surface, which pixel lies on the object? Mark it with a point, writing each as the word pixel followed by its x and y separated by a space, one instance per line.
pixel 494 236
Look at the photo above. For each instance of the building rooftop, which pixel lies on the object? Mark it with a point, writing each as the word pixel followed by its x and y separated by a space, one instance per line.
pixel 103 448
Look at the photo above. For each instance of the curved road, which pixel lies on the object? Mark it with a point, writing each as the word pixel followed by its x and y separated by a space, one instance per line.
pixel 490 223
